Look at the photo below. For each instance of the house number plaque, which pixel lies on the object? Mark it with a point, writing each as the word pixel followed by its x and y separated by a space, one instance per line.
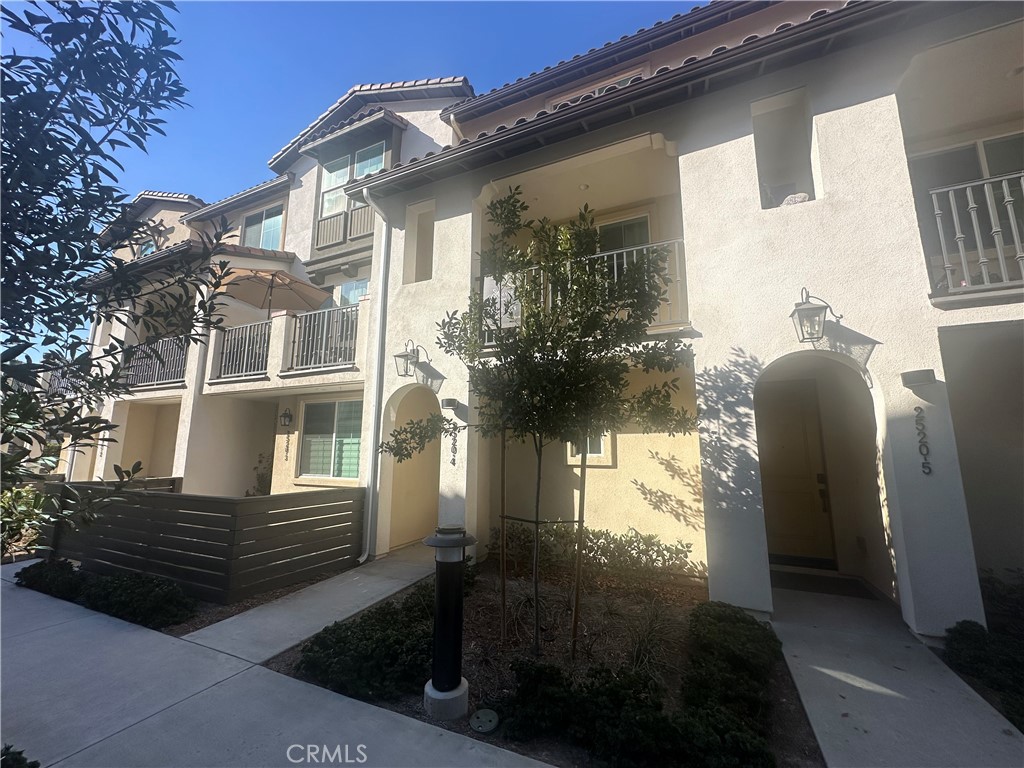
pixel 922 440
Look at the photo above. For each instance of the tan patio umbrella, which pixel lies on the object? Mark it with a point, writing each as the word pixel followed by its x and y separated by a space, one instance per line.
pixel 272 289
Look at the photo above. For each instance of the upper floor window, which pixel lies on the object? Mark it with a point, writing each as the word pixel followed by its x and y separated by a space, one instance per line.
pixel 263 229
pixel 146 247
pixel 369 160
pixel 336 175
pixel 351 292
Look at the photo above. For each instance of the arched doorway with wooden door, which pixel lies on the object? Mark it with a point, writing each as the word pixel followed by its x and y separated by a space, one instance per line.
pixel 409 489
pixel 816 439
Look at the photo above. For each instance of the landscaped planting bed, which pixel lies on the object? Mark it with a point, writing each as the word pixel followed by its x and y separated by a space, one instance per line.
pixel 661 677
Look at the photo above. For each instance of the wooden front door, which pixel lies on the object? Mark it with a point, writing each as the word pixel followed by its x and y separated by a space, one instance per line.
pixel 794 485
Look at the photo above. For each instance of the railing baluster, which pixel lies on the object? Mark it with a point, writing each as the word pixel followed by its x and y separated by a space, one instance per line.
pixel 1008 202
pixel 959 236
pixel 972 210
pixel 946 265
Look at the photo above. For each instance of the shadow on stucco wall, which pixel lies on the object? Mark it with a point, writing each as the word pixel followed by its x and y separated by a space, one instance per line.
pixel 687 509
pixel 729 466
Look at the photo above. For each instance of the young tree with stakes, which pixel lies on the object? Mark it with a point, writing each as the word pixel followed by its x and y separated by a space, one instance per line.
pixel 80 81
pixel 551 349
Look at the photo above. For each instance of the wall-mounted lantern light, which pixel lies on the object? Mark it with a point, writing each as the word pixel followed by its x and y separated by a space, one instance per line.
pixel 809 317
pixel 286 418
pixel 406 360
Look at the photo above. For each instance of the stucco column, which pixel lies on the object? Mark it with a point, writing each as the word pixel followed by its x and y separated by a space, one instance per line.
pixel 936 568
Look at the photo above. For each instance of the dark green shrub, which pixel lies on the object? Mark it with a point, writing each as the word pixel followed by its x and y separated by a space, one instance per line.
pixel 714 737
pixel 543 702
pixel 59 578
pixel 995 659
pixel 968 649
pixel 15 758
pixel 723 632
pixel 140 598
pixel 380 655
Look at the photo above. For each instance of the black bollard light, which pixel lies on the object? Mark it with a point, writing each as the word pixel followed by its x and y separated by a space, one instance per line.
pixel 446 694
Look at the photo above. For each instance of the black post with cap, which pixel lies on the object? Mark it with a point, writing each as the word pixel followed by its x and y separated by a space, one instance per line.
pixel 446 694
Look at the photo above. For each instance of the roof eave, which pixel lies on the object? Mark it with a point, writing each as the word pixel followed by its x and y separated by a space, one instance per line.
pixel 246 196
pixel 845 19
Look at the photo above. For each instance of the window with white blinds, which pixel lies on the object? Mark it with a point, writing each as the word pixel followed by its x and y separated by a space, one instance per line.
pixel 330 439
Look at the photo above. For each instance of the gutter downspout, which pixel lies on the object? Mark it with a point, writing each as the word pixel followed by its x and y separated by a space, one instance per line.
pixel 372 490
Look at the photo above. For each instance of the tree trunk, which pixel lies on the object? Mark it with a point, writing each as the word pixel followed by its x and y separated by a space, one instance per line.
pixel 539 447
pixel 502 542
pixel 578 587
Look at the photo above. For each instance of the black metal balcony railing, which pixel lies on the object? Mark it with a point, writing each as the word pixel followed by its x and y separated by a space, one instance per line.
pixel 979 235
pixel 244 350
pixel 325 338
pixel 162 362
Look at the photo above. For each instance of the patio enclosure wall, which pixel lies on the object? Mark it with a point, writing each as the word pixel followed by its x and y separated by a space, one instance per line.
pixel 218 548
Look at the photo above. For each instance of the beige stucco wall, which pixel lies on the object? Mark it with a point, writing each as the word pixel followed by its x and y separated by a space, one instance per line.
pixel 650 482
pixel 426 132
pixel 415 484
pixel 168 215
pixel 857 246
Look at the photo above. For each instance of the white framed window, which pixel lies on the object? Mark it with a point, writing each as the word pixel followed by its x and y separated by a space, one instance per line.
pixel 330 439
pixel 336 175
pixel 600 451
pixel 146 247
pixel 263 229
pixel 599 87
pixel 369 160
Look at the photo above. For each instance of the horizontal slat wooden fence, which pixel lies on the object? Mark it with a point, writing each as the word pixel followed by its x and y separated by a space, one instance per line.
pixel 222 549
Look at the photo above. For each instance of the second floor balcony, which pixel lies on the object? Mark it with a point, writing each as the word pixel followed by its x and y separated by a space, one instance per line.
pixel 975 246
pixel 261 354
pixel 159 363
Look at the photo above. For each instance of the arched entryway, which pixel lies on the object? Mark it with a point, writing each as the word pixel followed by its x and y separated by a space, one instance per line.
pixel 816 438
pixel 409 490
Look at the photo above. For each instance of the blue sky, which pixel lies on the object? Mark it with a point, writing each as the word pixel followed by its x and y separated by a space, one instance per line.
pixel 259 72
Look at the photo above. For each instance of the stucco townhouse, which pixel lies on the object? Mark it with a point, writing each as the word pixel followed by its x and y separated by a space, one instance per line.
pixel 862 160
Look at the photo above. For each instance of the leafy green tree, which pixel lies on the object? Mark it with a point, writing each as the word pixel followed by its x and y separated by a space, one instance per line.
pixel 80 81
pixel 550 350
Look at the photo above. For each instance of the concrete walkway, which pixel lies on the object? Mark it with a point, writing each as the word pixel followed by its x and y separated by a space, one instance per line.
pixel 269 629
pixel 877 696
pixel 83 689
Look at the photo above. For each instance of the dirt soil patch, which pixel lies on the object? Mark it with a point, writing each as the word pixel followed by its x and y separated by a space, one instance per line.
pixel 637 623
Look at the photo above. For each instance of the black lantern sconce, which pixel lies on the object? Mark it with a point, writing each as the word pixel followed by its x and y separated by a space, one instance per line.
pixel 406 360
pixel 809 317
pixel 285 418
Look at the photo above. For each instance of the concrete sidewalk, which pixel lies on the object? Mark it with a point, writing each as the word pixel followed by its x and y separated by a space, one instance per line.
pixel 83 689
pixel 267 630
pixel 877 696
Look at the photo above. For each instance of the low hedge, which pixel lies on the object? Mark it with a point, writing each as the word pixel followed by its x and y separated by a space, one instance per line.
pixel 620 716
pixel 381 654
pixel 140 598
pixel 15 758
pixel 994 658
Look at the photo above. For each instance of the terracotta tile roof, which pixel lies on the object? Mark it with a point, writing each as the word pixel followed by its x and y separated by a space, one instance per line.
pixel 353 120
pixel 815 19
pixel 644 40
pixel 230 201
pixel 360 95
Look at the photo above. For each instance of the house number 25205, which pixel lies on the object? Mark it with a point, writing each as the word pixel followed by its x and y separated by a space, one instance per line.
pixel 922 440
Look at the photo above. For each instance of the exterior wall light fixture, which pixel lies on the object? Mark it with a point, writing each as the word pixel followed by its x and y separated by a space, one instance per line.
pixel 407 359
pixel 285 418
pixel 809 317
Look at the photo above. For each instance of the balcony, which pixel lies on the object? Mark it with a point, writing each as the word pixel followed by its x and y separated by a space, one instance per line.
pixel 244 350
pixel 671 314
pixel 325 338
pixel 975 253
pixel 345 226
pixel 288 351
pixel 159 363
